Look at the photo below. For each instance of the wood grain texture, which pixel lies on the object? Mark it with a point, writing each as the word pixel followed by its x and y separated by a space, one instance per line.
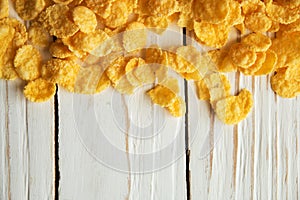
pixel 26 145
pixel 85 176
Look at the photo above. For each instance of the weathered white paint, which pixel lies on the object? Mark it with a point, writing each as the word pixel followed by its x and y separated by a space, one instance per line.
pixel 26 145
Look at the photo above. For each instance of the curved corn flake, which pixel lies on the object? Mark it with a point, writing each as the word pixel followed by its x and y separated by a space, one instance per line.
pixel 59 50
pixel 65 2
pixel 235 14
pixel 258 22
pixel 116 70
pixel 282 14
pixel 211 11
pixel 222 60
pixel 118 15
pixel 162 96
pixel 275 27
pixel 103 83
pixel 39 90
pixel 62 72
pixel 85 19
pixel 292 27
pixel 177 108
pixel 28 63
pixel 287 48
pixel 6 35
pixel 213 35
pixel 56 20
pixel 7 69
pixel 157 24
pixel 29 9
pixel 124 86
pixel 38 36
pixel 134 37
pixel 293 72
pixel 234 109
pixel 20 36
pixel 171 83
pixel 203 91
pixel 269 65
pixel 94 43
pixel 4 9
pixel 131 67
pixel 101 7
pixel 283 86
pixel 242 55
pixel 195 76
pixel 260 59
pixel 162 7
pixel 259 41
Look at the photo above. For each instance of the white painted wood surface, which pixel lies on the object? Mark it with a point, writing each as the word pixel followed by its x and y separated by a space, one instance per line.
pixel 257 159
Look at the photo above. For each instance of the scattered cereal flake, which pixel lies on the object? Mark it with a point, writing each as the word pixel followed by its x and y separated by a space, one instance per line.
pixel 193 57
pixel 259 41
pixel 154 55
pixel 7 69
pixel 235 14
pixel 56 20
pixel 196 76
pixel 162 7
pixel 28 63
pixel 101 7
pixel 39 90
pixel 283 86
pixel 293 72
pixel 131 67
pixel 59 50
pixel 203 91
pixel 287 48
pixel 38 36
pixel 211 11
pixel 29 9
pixel 162 96
pixel 20 36
pixel 269 65
pixel 282 14
pixel 171 83
pixel 292 27
pixel 260 59
pixel 62 72
pixel 4 9
pixel 85 19
pixel 213 35
pixel 234 109
pixel 258 22
pixel 103 83
pixel 66 2
pixel 177 108
pixel 6 35
pixel 118 15
pixel 116 70
pixel 251 6
pixel 242 55
pixel 134 37
pixel 275 27
pixel 124 87
pixel 145 74
pixel 157 24
pixel 222 60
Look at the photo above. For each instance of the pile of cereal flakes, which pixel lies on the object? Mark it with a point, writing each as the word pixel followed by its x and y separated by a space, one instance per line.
pixel 95 44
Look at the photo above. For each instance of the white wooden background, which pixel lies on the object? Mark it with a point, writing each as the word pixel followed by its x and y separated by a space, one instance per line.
pixel 257 159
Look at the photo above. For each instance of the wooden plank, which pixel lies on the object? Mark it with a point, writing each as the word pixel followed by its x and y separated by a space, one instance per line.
pixel 26 145
pixel 128 124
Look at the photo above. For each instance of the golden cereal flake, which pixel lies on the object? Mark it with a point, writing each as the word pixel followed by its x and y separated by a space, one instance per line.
pixel 162 7
pixel 39 90
pixel 162 96
pixel 59 50
pixel 28 63
pixel 157 24
pixel 116 70
pixel 211 11
pixel 118 15
pixel 20 36
pixel 258 22
pixel 242 55
pixel 234 109
pixel 283 85
pixel 282 14
pixel 222 60
pixel 177 108
pixel 269 65
pixel 260 59
pixel 66 2
pixel 85 19
pixel 134 37
pixel 29 9
pixel 4 8
pixel 62 72
pixel 260 42
pixel 38 36
pixel 212 35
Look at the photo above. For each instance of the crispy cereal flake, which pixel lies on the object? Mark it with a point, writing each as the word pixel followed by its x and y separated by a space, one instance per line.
pixel 85 19
pixel 39 90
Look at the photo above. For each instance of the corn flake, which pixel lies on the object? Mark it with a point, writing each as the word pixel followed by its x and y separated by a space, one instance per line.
pixel 177 108
pixel 162 96
pixel 39 90
pixel 259 41
pixel 282 14
pixel 269 65
pixel 59 50
pixel 38 36
pixel 85 19
pixel 29 9
pixel 242 55
pixel 260 59
pixel 28 63
pixel 134 37
pixel 4 9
